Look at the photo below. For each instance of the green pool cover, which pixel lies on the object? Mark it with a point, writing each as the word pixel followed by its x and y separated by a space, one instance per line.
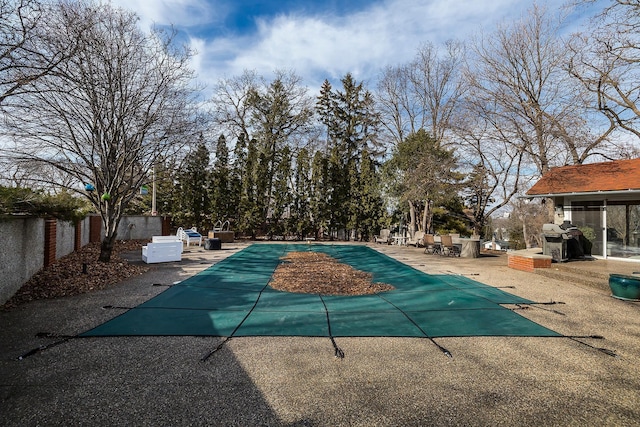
pixel 232 298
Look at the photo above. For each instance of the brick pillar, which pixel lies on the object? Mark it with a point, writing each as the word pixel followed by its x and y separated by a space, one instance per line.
pixel 166 225
pixel 50 227
pixel 95 228
pixel 77 238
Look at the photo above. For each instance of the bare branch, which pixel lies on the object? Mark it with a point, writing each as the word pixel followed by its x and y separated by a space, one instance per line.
pixel 106 114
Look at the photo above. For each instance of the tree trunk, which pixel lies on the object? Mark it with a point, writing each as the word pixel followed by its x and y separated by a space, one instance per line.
pixel 551 208
pixel 426 217
pixel 110 220
pixel 106 248
pixel 525 234
pixel 477 228
pixel 412 218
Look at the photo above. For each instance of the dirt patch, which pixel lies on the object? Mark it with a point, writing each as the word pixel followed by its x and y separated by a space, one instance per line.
pixel 318 273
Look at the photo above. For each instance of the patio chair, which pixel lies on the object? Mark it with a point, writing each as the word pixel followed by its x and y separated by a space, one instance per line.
pixel 416 240
pixel 189 236
pixel 384 237
pixel 448 248
pixel 430 244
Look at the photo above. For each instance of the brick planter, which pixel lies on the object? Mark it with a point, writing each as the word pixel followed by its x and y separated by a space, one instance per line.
pixel 528 260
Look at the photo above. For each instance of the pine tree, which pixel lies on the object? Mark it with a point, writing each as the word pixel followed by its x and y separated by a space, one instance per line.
pixel 338 183
pixel 301 216
pixel 264 181
pixel 194 195
pixel 424 174
pixel 354 199
pixel 221 208
pixel 282 197
pixel 280 112
pixel 236 180
pixel 372 205
pixel 250 212
pixel 351 128
pixel 320 194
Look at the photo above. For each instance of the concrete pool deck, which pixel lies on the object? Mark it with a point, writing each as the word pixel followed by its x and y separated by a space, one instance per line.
pixel 298 381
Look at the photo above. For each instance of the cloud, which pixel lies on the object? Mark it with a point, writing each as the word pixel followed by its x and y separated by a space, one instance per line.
pixel 319 47
pixel 181 13
pixel 322 45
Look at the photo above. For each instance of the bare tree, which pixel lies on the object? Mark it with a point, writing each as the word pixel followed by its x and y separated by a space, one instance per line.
pixel 275 115
pixel 525 223
pixel 522 112
pixel 398 111
pixel 495 169
pixel 231 108
pixel 422 96
pixel 123 100
pixel 276 112
pixel 281 111
pixel 26 50
pixel 520 87
pixel 605 59
pixel 424 93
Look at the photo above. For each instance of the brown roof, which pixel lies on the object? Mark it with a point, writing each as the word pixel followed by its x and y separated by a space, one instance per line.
pixel 619 175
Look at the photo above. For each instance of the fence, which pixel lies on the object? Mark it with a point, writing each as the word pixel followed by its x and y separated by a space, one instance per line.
pixel 30 244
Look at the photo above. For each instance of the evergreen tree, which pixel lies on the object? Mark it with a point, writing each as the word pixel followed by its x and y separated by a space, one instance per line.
pixel 194 196
pixel 236 180
pixel 282 197
pixel 264 181
pixel 301 215
pixel 221 203
pixel 353 203
pixel 351 127
pixel 250 212
pixel 372 205
pixel 351 118
pixel 324 105
pixel 338 182
pixel 167 188
pixel 280 112
pixel 320 188
pixel 423 175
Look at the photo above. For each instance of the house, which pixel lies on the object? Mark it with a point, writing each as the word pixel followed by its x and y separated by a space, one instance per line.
pixel 602 200
pixel 496 245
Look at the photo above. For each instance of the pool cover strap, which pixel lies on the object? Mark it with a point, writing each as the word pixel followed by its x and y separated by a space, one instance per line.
pixel 337 350
pixel 208 355
pixel 442 349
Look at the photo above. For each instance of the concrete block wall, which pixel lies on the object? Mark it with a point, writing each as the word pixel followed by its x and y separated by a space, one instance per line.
pixel 133 227
pixel 65 238
pixel 21 253
pixel 82 235
pixel 29 244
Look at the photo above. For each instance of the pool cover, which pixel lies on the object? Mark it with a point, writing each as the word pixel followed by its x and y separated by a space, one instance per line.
pixel 232 298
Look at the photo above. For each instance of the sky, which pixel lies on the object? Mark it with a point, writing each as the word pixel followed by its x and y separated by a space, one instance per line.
pixel 321 39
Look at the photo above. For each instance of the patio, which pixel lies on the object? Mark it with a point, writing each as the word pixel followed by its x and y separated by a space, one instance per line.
pixel 298 381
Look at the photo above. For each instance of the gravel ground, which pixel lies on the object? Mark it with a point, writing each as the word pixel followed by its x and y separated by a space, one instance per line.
pixel 297 381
